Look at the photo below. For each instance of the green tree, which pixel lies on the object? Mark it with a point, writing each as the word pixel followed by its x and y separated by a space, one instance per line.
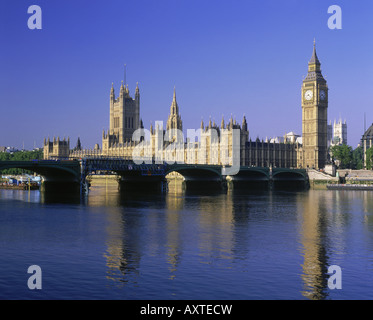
pixel 343 153
pixel 357 158
pixel 20 156
pixel 369 154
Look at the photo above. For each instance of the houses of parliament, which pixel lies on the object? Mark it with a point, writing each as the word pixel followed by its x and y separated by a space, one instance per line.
pixel 215 143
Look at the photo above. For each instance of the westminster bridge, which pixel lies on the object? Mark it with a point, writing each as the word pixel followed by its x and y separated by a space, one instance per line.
pixel 74 173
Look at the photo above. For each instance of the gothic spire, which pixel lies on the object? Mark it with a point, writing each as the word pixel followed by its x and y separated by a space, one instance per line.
pixel 78 145
pixel 125 74
pixel 174 106
pixel 174 119
pixel 137 89
pixel 314 67
pixel 112 95
pixel 314 59
pixel 244 123
pixel 121 88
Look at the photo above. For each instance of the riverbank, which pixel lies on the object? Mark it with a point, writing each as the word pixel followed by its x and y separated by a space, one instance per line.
pixel 350 187
pixel 19 187
pixel 349 179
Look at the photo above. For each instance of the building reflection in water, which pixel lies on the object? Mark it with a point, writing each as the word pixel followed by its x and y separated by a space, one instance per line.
pixel 325 217
pixel 171 228
pixel 122 253
pixel 174 204
pixel 163 230
pixel 216 221
pixel 210 225
pixel 313 239
pixel 121 259
pixel 32 196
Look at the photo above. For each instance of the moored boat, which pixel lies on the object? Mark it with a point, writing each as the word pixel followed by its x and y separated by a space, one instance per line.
pixel 349 186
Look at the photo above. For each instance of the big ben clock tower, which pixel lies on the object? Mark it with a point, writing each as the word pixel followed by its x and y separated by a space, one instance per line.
pixel 314 115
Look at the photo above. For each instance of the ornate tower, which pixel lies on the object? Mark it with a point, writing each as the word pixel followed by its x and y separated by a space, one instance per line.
pixel 57 148
pixel 124 117
pixel 314 115
pixel 174 122
pixel 124 114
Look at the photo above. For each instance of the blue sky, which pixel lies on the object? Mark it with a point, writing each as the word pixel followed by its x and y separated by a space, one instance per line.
pixel 224 57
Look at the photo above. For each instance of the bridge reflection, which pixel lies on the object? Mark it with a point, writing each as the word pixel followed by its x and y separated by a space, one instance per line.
pixel 222 229
pixel 270 235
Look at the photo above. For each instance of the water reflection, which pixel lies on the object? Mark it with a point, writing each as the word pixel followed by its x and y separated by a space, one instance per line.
pixel 123 253
pixel 51 197
pixel 173 231
pixel 180 234
pixel 326 219
pixel 32 196
pixel 314 238
pixel 217 226
pixel 231 244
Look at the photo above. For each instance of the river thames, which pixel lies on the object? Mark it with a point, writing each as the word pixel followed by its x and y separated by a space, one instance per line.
pixel 179 245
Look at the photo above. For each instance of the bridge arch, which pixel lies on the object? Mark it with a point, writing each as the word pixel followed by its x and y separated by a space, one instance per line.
pixel 290 178
pixel 50 170
pixel 196 172
pixel 289 175
pixel 251 174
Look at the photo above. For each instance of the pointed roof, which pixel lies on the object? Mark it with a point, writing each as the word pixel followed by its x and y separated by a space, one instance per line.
pixel 314 59
pixel 174 119
pixel 369 133
pixel 174 106
pixel 78 145
pixel 244 120
pixel 137 88
pixel 314 70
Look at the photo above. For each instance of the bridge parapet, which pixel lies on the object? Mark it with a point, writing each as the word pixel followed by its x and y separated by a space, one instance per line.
pixel 49 169
pixel 77 170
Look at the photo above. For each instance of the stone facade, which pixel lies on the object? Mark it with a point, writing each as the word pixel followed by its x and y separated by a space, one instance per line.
pixel 269 154
pixel 212 144
pixel 57 148
pixel 337 133
pixel 124 118
pixel 227 144
pixel 367 142
pixel 314 116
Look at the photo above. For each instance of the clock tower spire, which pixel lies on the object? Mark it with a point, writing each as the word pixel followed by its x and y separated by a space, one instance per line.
pixel 314 115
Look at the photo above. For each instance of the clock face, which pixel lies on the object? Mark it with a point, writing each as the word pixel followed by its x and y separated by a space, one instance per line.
pixel 322 95
pixel 308 94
